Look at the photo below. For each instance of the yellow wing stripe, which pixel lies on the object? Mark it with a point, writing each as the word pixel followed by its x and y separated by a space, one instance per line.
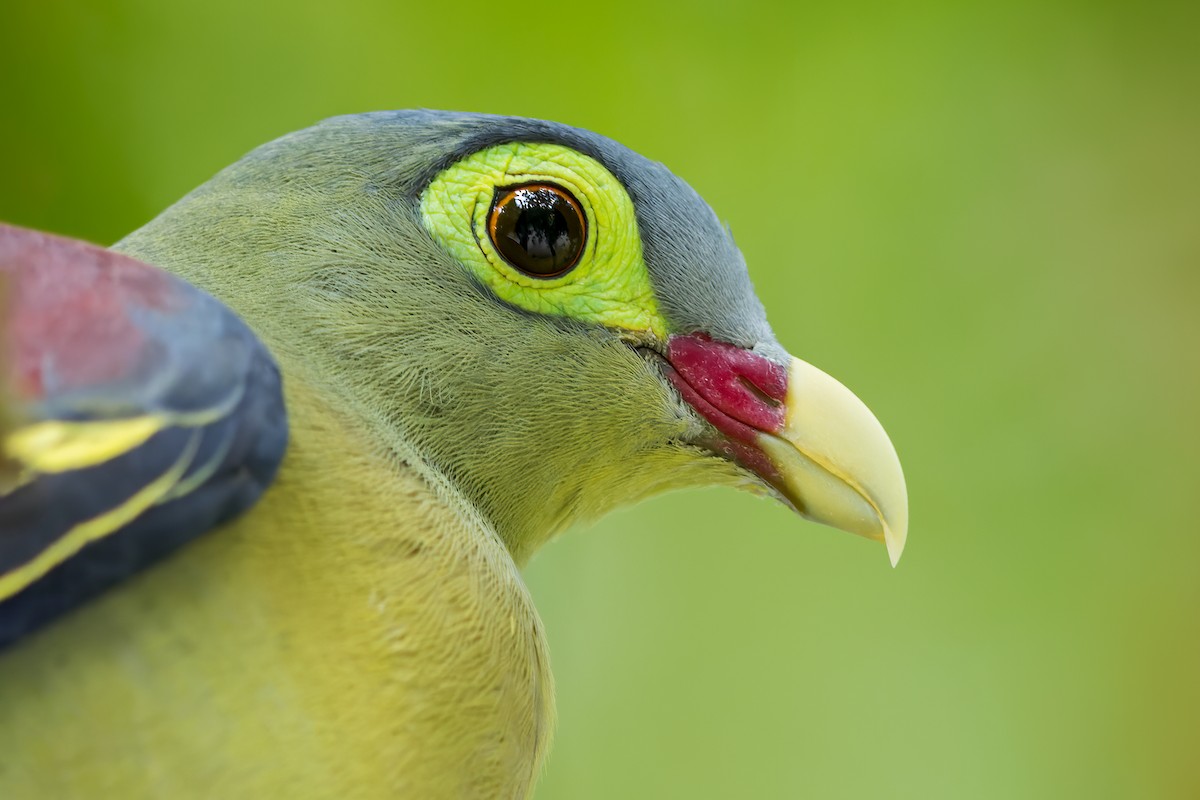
pixel 54 446
pixel 99 526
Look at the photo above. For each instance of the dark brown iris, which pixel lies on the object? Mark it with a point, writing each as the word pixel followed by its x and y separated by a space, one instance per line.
pixel 538 228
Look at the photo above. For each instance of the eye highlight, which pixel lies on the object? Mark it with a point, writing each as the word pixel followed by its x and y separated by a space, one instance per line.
pixel 539 228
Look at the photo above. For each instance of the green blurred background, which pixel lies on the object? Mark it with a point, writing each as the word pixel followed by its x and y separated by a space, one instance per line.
pixel 985 220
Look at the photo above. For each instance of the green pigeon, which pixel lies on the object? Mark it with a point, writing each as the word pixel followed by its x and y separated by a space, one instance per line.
pixel 271 466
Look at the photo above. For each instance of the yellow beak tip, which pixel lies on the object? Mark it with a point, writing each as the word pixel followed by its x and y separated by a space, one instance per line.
pixel 895 544
pixel 836 463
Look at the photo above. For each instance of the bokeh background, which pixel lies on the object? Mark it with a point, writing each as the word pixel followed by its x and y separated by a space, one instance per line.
pixel 985 219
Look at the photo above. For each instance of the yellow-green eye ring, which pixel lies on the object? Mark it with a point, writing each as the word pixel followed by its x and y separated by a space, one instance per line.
pixel 539 228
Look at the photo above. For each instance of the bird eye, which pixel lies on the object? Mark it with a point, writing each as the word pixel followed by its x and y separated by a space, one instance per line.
pixel 538 228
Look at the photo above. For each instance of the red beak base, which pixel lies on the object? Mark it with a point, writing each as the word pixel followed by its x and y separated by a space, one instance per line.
pixel 739 392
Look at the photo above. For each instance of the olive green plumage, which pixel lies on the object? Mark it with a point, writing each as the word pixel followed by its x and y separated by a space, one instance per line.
pixel 538 420
pixel 363 631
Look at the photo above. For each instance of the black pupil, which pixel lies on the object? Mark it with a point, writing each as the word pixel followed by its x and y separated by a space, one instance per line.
pixel 537 230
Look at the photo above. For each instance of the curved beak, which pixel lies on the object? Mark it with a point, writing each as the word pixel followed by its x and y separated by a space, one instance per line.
pixel 834 461
pixel 801 432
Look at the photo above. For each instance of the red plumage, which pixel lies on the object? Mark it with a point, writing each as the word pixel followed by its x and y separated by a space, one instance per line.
pixel 68 322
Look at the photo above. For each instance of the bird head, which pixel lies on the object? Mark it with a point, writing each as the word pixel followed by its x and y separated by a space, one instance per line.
pixel 543 322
